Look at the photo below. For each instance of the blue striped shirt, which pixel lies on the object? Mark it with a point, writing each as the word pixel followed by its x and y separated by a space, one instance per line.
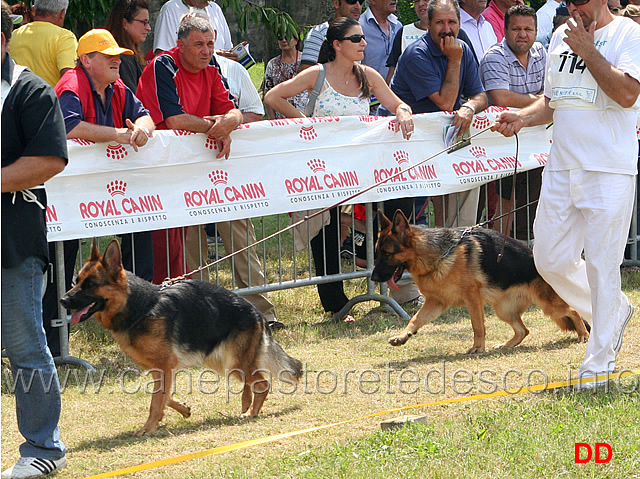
pixel 501 70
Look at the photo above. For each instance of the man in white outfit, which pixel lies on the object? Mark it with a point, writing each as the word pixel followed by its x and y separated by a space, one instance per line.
pixel 166 29
pixel 588 185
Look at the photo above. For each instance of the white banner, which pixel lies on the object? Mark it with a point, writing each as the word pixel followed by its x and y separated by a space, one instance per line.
pixel 276 166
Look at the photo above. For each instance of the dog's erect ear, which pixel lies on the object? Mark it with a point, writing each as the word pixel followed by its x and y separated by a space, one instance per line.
pixel 383 220
pixel 95 252
pixel 112 259
pixel 401 225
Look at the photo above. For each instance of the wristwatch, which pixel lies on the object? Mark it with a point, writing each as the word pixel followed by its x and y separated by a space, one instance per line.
pixel 470 107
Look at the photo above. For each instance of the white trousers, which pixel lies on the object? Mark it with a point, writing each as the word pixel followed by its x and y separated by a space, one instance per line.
pixel 591 211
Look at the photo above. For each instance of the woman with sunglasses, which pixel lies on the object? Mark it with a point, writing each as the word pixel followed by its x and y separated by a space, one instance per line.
pixel 128 22
pixel 346 91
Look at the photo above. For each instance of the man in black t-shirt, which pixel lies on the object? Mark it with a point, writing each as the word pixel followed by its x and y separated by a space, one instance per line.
pixel 34 148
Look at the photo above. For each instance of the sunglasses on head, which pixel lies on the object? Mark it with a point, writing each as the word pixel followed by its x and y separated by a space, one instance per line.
pixel 357 38
pixel 353 2
pixel 578 3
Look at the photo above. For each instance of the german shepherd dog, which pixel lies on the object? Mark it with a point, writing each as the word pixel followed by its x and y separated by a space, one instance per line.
pixel 459 267
pixel 187 324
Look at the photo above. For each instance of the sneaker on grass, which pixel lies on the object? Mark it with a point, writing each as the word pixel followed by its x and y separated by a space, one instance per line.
pixel 28 467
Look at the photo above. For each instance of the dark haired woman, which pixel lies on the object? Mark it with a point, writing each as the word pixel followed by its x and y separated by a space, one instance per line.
pixel 283 68
pixel 128 22
pixel 346 91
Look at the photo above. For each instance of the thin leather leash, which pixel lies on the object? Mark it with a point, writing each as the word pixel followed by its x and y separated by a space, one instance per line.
pixel 169 281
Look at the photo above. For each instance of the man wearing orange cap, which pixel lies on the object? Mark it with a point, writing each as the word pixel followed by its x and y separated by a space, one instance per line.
pixel 97 106
pixel 95 103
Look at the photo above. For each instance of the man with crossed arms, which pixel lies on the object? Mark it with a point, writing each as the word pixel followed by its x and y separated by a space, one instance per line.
pixel 588 186
pixel 184 90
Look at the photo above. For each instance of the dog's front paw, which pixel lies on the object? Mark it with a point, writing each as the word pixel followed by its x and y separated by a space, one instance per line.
pixel 147 429
pixel 583 339
pixel 476 349
pixel 400 340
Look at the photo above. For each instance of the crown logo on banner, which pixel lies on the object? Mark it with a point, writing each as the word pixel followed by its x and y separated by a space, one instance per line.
pixel 116 152
pixel 308 133
pixel 117 187
pixel 219 177
pixel 478 152
pixel 401 157
pixel 317 165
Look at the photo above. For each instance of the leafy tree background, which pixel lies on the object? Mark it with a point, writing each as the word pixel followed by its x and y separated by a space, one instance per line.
pixel 260 22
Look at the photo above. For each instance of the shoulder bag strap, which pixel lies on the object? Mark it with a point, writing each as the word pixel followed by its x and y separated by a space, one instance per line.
pixel 308 111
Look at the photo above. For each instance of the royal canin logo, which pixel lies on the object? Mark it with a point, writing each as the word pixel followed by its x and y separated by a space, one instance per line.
pixel 496 109
pixel 541 158
pixel 83 142
pixel 367 118
pixel 401 157
pixel 119 204
pixel 183 132
pixel 224 191
pixel 482 165
pixel 317 165
pixel 480 121
pixel 219 177
pixel 392 125
pixel 478 152
pixel 211 143
pixel 51 214
pixel 308 133
pixel 116 152
pixel 117 187
pixel 321 179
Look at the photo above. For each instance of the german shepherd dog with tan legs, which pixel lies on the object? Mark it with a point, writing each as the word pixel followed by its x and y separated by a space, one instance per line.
pixel 459 267
pixel 187 324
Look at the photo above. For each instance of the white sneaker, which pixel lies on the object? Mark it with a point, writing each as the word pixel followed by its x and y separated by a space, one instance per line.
pixel 619 332
pixel 592 383
pixel 28 467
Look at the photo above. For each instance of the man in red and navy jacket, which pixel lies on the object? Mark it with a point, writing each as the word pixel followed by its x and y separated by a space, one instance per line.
pixel 183 90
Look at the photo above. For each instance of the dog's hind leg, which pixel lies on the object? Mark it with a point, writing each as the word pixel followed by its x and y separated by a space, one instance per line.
pixel 256 387
pixel 509 309
pixel 567 318
pixel 475 305
pixel 429 311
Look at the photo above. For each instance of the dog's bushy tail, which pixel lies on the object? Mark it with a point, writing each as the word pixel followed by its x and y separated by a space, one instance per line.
pixel 567 318
pixel 277 362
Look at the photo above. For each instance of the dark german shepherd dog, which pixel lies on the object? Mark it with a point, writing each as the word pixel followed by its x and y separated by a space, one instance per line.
pixel 459 267
pixel 188 324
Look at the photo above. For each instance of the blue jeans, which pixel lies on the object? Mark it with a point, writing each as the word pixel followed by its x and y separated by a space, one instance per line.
pixel 37 388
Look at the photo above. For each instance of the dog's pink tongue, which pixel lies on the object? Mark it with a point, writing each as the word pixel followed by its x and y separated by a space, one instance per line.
pixel 75 317
pixel 393 285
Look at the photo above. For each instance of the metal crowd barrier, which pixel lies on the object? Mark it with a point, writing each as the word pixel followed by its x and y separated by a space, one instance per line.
pixel 294 268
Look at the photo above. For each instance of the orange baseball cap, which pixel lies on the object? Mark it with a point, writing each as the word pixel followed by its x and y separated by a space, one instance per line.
pixel 101 41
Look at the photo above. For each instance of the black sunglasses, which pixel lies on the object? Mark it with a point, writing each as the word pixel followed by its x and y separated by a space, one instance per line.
pixel 357 38
pixel 353 2
pixel 578 3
